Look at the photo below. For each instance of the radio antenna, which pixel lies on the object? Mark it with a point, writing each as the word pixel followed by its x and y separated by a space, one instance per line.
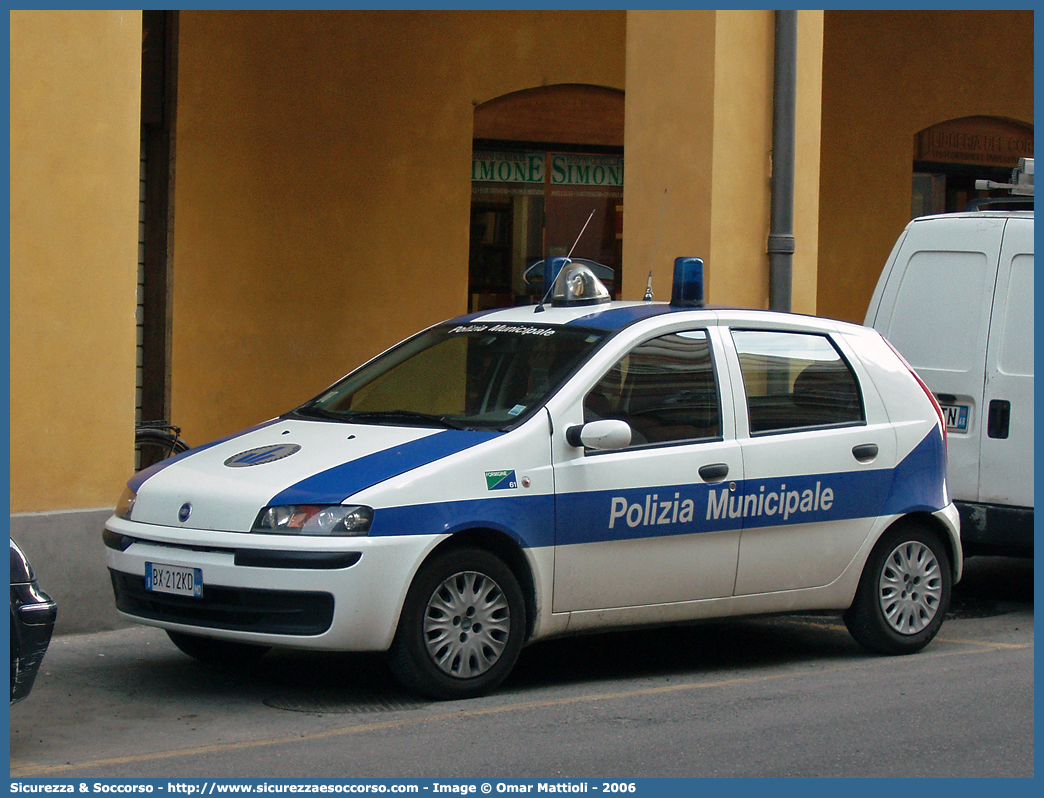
pixel 543 299
pixel 648 286
pixel 589 217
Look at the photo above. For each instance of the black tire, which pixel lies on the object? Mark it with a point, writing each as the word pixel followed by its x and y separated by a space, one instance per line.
pixel 151 445
pixel 212 651
pixel 461 628
pixel 904 591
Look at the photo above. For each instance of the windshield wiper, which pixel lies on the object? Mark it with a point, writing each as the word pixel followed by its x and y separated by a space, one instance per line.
pixel 412 417
pixel 404 416
pixel 311 411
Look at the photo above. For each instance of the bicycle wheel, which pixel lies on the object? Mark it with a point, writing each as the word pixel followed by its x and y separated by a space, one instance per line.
pixel 151 445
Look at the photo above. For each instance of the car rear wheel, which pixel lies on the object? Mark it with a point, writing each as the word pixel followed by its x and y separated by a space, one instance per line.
pixel 212 651
pixel 903 593
pixel 461 627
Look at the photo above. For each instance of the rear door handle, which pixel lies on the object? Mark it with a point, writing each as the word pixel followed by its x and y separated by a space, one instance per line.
pixel 714 472
pixel 865 452
pixel 999 419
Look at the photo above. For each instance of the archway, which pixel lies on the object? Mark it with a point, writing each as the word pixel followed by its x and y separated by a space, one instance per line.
pixel 542 160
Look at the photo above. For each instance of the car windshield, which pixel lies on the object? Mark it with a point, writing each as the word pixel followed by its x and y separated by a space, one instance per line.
pixel 468 376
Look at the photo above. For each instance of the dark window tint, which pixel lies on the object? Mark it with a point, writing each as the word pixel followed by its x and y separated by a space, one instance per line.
pixel 664 389
pixel 795 381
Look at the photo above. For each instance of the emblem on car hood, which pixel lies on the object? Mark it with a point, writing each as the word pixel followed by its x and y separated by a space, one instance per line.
pixel 262 455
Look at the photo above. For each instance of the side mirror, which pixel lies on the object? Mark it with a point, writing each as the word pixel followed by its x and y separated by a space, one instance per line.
pixel 607 435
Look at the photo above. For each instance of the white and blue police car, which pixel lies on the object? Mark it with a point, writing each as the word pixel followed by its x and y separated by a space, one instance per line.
pixel 577 465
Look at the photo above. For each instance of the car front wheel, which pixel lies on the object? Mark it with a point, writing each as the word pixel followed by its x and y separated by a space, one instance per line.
pixel 903 593
pixel 461 627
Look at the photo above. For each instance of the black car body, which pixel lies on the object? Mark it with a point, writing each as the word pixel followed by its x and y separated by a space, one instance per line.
pixel 32 622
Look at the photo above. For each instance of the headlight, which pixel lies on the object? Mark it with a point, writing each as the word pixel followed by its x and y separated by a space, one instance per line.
pixel 125 504
pixel 310 519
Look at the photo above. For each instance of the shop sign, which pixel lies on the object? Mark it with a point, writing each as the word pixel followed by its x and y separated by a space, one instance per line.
pixel 531 167
pixel 508 167
pixel 586 170
pixel 977 140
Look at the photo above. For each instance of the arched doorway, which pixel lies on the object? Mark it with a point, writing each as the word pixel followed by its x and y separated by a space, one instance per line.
pixel 543 159
pixel 950 156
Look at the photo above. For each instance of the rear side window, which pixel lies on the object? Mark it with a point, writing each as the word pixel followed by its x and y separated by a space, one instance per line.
pixel 664 389
pixel 796 381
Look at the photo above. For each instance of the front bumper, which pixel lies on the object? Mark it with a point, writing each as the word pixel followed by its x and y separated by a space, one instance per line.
pixel 340 594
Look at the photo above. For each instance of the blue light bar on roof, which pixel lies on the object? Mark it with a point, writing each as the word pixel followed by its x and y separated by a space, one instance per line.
pixel 687 290
pixel 552 266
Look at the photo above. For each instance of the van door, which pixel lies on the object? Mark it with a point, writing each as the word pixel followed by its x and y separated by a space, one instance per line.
pixel 935 309
pixel 1006 464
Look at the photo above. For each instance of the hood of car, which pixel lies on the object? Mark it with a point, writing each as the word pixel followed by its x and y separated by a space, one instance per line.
pixel 225 484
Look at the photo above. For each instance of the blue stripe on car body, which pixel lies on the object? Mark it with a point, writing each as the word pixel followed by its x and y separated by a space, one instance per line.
pixel 683 509
pixel 918 481
pixel 336 484
pixel 592 517
pixel 529 520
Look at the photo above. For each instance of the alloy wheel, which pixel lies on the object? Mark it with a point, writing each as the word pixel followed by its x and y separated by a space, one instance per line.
pixel 467 623
pixel 910 588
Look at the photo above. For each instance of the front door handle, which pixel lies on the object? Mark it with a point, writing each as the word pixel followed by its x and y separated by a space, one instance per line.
pixel 714 472
pixel 865 452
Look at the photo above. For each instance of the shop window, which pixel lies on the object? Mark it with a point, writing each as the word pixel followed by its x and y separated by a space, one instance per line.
pixel 543 160
pixel 528 205
pixel 951 156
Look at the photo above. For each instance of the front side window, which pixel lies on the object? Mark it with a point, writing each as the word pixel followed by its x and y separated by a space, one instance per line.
pixel 664 388
pixel 469 376
pixel 796 381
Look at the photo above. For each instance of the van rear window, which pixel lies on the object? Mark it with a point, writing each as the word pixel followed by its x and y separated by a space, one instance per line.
pixel 939 305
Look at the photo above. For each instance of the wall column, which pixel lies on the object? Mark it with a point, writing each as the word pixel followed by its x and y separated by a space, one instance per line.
pixel 75 144
pixel 75 126
pixel 698 124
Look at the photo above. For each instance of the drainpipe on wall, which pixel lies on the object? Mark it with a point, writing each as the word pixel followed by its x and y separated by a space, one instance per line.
pixel 781 225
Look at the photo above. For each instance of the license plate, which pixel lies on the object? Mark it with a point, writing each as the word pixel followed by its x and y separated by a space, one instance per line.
pixel 180 581
pixel 956 417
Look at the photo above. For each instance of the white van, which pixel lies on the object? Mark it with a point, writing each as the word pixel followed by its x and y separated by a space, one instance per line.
pixel 956 299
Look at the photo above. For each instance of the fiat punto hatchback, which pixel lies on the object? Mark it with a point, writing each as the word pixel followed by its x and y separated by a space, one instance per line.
pixel 545 470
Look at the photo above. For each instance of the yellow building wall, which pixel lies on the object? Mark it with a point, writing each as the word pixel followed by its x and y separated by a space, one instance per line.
pixel 668 134
pixel 322 198
pixel 807 196
pixel 698 143
pixel 740 192
pixel 887 76
pixel 75 89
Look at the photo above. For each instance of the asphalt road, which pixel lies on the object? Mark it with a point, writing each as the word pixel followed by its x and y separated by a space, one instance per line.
pixel 774 697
